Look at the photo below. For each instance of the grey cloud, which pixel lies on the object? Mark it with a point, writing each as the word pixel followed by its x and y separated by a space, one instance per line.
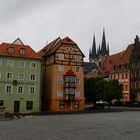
pixel 38 21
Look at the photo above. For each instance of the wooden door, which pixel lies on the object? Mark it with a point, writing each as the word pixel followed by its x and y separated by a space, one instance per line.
pixel 16 106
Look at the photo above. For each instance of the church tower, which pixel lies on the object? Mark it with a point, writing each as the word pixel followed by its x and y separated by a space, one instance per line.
pixel 98 56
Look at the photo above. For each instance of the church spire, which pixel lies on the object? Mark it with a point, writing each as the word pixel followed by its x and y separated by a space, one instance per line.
pixel 93 51
pixel 103 45
pixel 90 55
pixel 107 48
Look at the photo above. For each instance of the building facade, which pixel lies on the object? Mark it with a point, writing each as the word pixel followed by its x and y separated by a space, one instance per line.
pixel 135 71
pixel 125 67
pixel 116 67
pixel 20 78
pixel 63 84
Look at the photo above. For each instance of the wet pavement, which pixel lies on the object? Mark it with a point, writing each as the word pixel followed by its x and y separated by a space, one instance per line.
pixel 87 126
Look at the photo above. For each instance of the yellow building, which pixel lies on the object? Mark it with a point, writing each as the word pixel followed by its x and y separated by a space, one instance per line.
pixel 63 84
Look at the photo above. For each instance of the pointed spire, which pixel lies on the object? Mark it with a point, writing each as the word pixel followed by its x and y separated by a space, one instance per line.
pixel 90 55
pixel 108 48
pixel 93 51
pixel 99 50
pixel 103 46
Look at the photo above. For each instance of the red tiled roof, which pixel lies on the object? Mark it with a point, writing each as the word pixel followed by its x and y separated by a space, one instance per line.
pixel 109 62
pixel 117 59
pixel 54 45
pixel 70 73
pixel 29 52
pixel 125 56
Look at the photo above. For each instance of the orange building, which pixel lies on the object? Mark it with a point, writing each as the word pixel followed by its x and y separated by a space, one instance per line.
pixel 63 84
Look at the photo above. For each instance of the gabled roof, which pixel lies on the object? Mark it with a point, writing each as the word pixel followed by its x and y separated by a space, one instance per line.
pixel 16 46
pixel 125 56
pixel 118 59
pixel 70 73
pixel 110 62
pixel 54 45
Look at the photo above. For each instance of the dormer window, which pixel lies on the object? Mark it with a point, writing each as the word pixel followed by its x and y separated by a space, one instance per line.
pixel 22 51
pixel 10 50
pixel 69 48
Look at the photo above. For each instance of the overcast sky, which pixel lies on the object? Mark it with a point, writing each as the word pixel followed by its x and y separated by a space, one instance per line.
pixel 37 21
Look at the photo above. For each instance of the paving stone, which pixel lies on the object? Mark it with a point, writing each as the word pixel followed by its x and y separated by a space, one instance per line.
pixel 90 126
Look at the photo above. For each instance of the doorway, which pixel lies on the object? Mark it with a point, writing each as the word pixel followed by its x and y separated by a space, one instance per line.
pixel 16 106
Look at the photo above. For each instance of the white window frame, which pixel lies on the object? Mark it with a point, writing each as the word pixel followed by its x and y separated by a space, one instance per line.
pixel 34 75
pixel 21 79
pixel 77 70
pixel 33 63
pixel 77 80
pixel 30 89
pixel 59 93
pixel 10 63
pixel 60 68
pixel 20 66
pixel 10 50
pixel 0 62
pixel 18 89
pixel 22 51
pixel 11 75
pixel 77 93
pixel 61 56
pixel 7 90
pixel 59 79
pixel 78 58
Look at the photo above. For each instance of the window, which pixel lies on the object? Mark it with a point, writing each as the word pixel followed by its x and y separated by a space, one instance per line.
pixel 20 90
pixel 70 91
pixel 59 93
pixel 69 48
pixel 125 87
pixel 22 64
pixel 59 79
pixel 126 75
pixel 10 63
pixel 32 90
pixel 10 50
pixel 60 68
pixel 78 58
pixel 33 65
pixel 61 56
pixel 76 105
pixel 77 93
pixel 8 89
pixel 77 81
pixel 29 105
pixel 1 102
pixel 70 79
pixel 22 51
pixel 61 104
pixel 20 76
pixel 32 77
pixel 0 62
pixel 77 69
pixel 9 75
pixel 122 76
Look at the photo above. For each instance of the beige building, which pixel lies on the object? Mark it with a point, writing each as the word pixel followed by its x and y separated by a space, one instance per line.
pixel 63 84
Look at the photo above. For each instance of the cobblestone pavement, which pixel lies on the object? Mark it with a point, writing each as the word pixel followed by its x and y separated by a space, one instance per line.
pixel 90 126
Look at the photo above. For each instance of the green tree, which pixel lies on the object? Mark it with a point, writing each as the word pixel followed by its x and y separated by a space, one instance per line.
pixel 100 89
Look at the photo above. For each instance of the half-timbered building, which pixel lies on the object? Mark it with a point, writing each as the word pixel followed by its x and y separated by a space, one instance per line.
pixel 63 86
